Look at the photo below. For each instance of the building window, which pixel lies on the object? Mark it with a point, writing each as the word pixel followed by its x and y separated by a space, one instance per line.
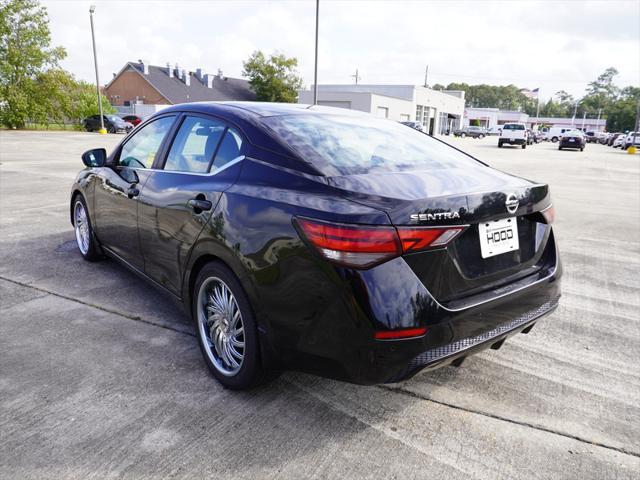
pixel 419 113
pixel 382 112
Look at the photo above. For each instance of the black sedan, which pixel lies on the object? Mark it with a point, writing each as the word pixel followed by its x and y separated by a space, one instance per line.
pixel 112 124
pixel 320 239
pixel 572 139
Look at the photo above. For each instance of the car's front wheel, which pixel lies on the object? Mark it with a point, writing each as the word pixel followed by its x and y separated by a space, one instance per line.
pixel 226 328
pixel 462 135
pixel 87 244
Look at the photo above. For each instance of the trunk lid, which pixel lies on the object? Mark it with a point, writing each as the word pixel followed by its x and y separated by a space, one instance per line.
pixel 460 197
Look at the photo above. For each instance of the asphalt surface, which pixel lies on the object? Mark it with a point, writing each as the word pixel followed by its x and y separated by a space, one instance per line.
pixel 101 377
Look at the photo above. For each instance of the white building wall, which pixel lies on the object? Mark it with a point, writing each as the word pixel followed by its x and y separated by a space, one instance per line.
pixel 396 108
pixel 397 102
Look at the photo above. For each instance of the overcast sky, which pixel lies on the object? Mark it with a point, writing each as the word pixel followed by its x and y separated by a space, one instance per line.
pixel 552 45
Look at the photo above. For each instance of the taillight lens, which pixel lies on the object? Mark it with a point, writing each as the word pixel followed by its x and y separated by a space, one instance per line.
pixel 549 214
pixel 352 245
pixel 414 239
pixel 363 246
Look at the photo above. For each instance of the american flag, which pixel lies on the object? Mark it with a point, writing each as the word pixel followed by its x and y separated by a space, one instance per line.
pixel 530 93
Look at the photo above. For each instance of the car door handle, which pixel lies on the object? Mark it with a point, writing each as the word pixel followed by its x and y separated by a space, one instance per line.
pixel 133 192
pixel 199 205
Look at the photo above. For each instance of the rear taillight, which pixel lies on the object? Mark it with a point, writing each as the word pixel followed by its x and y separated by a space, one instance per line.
pixel 414 239
pixel 363 246
pixel 549 214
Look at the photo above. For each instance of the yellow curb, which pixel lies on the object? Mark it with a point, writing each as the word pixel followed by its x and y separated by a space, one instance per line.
pixel 102 131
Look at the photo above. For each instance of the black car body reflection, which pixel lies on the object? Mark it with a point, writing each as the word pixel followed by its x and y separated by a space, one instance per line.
pixel 357 244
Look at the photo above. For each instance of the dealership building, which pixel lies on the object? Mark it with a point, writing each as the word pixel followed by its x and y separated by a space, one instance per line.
pixel 437 111
pixel 493 117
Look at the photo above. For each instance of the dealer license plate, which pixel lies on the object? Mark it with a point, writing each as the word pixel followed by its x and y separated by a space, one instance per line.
pixel 499 236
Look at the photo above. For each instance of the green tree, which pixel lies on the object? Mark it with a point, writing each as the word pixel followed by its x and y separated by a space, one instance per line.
pixel 25 55
pixel 601 93
pixel 274 79
pixel 621 114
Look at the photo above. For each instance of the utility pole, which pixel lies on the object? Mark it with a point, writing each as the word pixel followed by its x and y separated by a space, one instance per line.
pixel 315 70
pixel 584 118
pixel 356 77
pixel 632 149
pixel 426 74
pixel 573 119
pixel 92 9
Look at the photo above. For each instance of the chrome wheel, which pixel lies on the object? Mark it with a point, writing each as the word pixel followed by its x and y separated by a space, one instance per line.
pixel 221 327
pixel 81 227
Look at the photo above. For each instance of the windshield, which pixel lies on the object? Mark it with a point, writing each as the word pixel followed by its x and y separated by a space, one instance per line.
pixel 346 145
pixel 114 119
pixel 513 126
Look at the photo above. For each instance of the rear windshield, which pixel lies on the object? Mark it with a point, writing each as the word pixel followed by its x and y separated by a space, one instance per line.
pixel 513 126
pixel 345 145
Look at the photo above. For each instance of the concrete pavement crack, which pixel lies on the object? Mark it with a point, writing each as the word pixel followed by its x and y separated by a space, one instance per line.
pixel 135 318
pixel 397 390
pixel 541 428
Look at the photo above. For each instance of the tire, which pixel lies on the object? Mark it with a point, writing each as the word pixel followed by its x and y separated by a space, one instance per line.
pixel 85 239
pixel 559 147
pixel 524 145
pixel 499 144
pixel 481 136
pixel 233 356
pixel 462 135
pixel 582 149
pixel 554 139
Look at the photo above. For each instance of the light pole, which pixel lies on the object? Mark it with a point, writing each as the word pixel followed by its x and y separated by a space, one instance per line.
pixel 92 9
pixel 315 69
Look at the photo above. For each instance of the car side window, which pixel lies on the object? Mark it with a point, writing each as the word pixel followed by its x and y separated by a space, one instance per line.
pixel 230 148
pixel 141 149
pixel 194 145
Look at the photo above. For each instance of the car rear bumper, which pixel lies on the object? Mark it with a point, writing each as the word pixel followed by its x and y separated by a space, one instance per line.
pixel 341 344
pixel 567 144
pixel 513 141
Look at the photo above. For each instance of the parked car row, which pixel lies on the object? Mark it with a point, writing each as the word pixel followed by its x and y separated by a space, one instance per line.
pixel 112 123
pixel 621 140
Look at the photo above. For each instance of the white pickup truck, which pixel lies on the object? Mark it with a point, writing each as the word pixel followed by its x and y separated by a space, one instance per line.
pixel 513 134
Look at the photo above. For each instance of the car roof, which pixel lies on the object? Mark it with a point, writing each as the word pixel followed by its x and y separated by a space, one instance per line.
pixel 261 109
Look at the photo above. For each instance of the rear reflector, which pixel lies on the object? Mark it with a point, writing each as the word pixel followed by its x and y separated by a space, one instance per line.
pixel 363 246
pixel 398 334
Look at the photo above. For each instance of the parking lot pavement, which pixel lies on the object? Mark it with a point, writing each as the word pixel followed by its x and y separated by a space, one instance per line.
pixel 100 376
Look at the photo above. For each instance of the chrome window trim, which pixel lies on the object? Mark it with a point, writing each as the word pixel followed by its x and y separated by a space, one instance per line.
pixel 200 174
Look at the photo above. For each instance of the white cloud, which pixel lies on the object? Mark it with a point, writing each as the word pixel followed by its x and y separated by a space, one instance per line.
pixel 559 45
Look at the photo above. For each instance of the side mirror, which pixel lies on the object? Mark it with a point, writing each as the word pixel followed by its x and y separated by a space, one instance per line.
pixel 95 158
